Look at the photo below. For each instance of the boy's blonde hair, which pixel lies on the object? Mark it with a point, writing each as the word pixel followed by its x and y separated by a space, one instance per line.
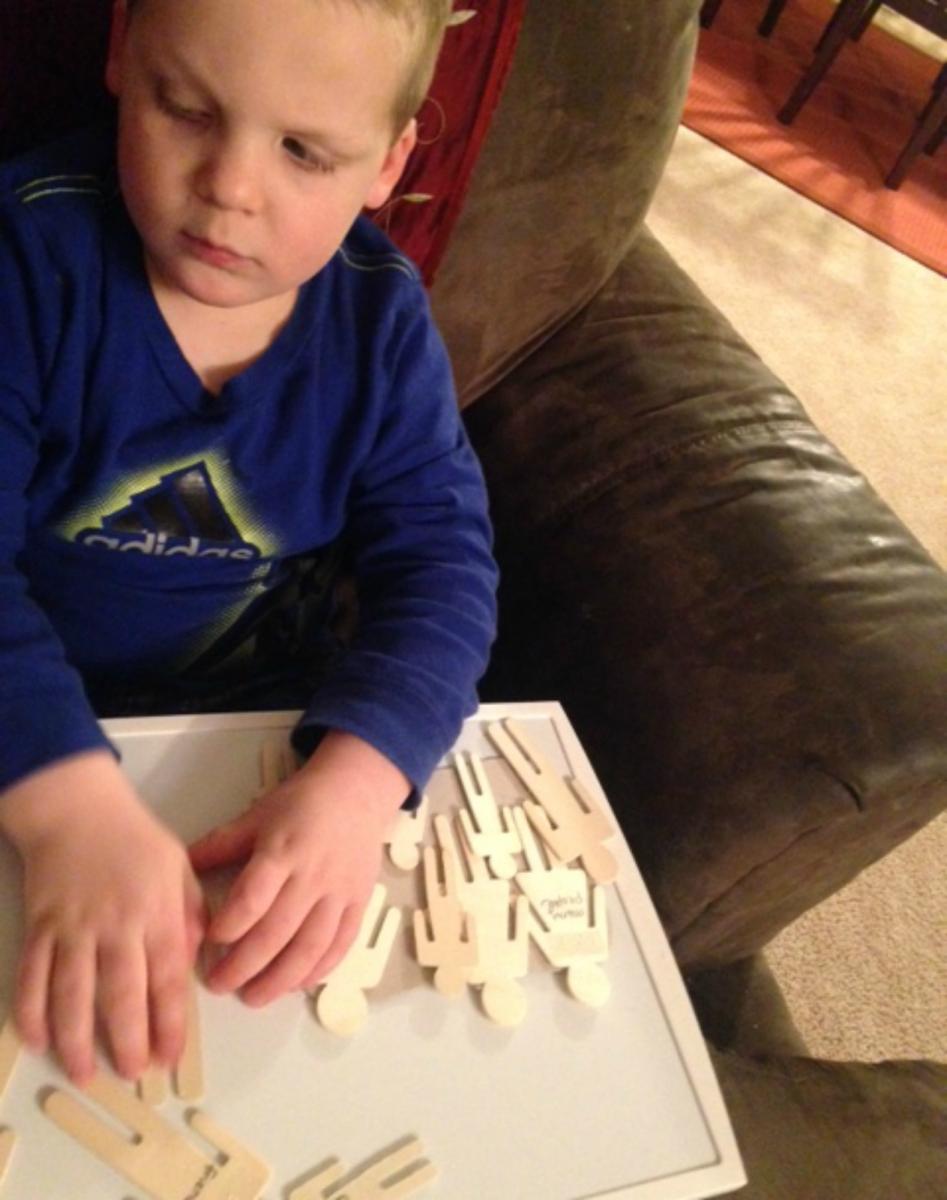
pixel 425 22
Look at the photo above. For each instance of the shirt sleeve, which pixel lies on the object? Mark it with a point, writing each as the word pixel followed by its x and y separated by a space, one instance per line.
pixel 421 542
pixel 44 713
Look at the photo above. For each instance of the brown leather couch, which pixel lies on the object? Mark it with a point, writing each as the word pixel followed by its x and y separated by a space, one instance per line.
pixel 750 644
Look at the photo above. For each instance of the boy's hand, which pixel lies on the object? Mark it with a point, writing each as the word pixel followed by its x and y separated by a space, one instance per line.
pixel 314 847
pixel 113 917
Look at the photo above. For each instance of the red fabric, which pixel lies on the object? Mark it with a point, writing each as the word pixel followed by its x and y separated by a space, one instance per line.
pixel 452 124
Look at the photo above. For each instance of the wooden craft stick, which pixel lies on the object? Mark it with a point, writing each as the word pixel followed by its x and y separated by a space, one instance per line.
pixel 9 1052
pixel 502 934
pixel 277 763
pixel 445 937
pixel 7 1142
pixel 160 1161
pixel 189 1072
pixel 154 1086
pixel 317 1186
pixel 488 834
pixel 566 815
pixel 407 834
pixel 341 1005
pixel 401 1173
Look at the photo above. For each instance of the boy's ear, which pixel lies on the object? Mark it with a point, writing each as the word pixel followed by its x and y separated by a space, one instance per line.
pixel 113 64
pixel 393 166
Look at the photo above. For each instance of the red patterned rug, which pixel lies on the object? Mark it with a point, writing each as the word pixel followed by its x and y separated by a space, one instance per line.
pixel 848 134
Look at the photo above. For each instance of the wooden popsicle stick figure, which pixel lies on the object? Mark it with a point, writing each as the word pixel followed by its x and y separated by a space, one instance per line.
pixel 341 1005
pixel 9 1052
pixel 7 1142
pixel 406 835
pixel 154 1087
pixel 317 1186
pixel 566 816
pixel 402 1172
pixel 571 938
pixel 445 937
pixel 154 1156
pixel 502 932
pixel 488 833
pixel 277 763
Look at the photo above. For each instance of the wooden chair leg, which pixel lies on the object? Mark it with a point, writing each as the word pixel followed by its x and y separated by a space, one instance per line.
pixel 774 11
pixel 870 12
pixel 847 18
pixel 930 125
pixel 708 11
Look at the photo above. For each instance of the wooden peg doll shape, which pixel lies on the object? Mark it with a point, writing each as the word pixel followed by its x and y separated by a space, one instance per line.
pixel 154 1086
pixel 160 1160
pixel 570 936
pixel 407 834
pixel 566 816
pixel 502 932
pixel 402 1172
pixel 341 1005
pixel 9 1053
pixel 7 1142
pixel 445 937
pixel 486 826
pixel 277 763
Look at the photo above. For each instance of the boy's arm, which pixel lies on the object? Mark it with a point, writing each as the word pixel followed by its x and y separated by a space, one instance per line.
pixel 420 536
pixel 100 935
pixel 44 713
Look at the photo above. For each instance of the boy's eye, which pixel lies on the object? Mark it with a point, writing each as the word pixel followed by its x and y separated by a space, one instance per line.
pixel 305 158
pixel 180 112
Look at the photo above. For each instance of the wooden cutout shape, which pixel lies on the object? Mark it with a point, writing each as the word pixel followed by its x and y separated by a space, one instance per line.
pixel 406 835
pixel 402 1172
pixel 502 951
pixel 317 1186
pixel 488 834
pixel 560 922
pixel 567 817
pixel 154 1086
pixel 341 1005
pixel 189 1072
pixel 9 1052
pixel 160 1160
pixel 445 938
pixel 277 763
pixel 7 1142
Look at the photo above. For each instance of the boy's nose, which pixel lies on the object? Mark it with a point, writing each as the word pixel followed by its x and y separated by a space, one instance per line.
pixel 230 177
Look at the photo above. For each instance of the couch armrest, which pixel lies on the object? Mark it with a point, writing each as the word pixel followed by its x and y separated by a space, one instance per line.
pixel 750 644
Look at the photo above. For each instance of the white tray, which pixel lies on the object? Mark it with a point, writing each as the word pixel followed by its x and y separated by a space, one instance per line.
pixel 574 1104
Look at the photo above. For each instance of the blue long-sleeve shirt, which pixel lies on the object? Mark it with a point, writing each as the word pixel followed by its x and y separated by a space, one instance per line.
pixel 145 522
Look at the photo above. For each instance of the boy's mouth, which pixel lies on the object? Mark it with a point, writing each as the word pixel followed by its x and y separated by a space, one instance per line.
pixel 210 252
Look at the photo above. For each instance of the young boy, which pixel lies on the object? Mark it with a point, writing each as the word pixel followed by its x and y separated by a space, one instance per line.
pixel 213 368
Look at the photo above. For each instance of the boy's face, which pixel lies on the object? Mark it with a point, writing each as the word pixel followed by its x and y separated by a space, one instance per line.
pixel 251 134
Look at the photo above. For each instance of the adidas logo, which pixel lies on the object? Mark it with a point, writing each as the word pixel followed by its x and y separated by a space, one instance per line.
pixel 181 515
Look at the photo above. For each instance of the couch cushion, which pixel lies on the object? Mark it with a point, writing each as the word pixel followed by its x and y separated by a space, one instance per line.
pixel 565 177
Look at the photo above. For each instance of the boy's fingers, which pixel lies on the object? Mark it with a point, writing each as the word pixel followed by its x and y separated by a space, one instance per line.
pixel 168 974
pixel 253 893
pixel 32 992
pixel 261 944
pixel 226 843
pixel 348 929
pixel 123 1005
pixel 323 938
pixel 71 1008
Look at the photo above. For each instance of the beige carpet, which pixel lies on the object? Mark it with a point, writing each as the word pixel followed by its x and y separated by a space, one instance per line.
pixel 858 331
